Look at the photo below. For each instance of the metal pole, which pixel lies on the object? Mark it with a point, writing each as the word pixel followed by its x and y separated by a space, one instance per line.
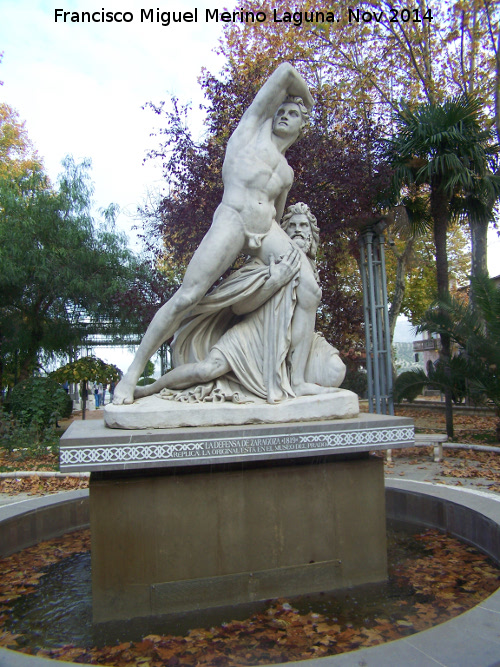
pixel 378 306
pixel 385 351
pixel 366 309
pixel 373 317
pixel 378 339
pixel 388 359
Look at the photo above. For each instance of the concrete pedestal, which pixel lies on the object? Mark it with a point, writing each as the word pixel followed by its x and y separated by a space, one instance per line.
pixel 191 540
pixel 191 518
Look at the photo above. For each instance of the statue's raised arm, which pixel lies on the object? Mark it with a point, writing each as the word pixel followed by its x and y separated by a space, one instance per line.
pixel 284 82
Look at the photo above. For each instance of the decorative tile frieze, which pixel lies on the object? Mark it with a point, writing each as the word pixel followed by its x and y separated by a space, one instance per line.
pixel 225 445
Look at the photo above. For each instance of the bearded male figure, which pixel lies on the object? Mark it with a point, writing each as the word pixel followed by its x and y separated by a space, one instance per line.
pixel 256 179
pixel 240 333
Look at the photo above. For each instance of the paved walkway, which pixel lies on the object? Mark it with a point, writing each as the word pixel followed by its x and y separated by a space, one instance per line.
pixel 422 468
pixel 7 499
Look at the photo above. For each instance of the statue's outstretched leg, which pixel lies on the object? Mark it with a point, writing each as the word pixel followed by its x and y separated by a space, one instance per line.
pixel 221 245
pixel 188 375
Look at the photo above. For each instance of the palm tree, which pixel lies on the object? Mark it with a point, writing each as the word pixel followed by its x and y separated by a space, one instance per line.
pixel 479 205
pixel 476 369
pixel 443 148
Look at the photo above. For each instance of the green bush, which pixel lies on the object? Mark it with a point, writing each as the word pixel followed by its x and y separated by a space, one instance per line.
pixel 38 402
pixel 67 408
pixel 142 382
pixel 409 385
pixel 26 439
pixel 356 381
pixel 7 427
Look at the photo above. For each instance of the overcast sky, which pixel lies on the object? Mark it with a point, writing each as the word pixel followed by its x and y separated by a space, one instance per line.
pixel 80 87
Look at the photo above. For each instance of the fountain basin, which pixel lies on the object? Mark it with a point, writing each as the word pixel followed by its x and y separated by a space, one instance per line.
pixel 470 639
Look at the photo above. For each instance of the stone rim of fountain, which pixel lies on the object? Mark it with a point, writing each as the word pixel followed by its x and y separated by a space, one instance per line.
pixel 473 516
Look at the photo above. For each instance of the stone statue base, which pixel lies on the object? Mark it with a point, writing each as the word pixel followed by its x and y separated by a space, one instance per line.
pixel 155 412
pixel 222 537
pixel 226 515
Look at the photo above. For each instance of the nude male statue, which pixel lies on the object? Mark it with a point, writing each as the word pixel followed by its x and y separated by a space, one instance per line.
pixel 233 351
pixel 256 179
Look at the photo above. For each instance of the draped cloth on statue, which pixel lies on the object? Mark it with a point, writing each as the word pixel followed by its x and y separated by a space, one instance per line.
pixel 256 344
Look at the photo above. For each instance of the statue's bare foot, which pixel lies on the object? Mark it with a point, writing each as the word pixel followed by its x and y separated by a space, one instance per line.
pixel 311 389
pixel 124 392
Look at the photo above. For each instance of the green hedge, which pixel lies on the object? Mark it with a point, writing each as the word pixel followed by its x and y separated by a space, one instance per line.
pixel 39 402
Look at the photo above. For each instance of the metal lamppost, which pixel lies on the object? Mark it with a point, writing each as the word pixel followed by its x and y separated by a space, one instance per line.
pixel 377 332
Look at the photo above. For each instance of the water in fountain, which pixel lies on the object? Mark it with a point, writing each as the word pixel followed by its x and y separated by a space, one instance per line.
pixel 59 612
